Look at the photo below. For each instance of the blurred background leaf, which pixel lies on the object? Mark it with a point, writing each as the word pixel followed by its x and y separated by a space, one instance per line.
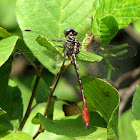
pixel 126 130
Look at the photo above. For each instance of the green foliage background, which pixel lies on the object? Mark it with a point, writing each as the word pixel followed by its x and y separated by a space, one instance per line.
pixel 50 18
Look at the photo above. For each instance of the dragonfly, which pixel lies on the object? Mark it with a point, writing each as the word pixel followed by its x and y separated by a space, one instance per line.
pixel 108 53
pixel 72 50
pixel 71 46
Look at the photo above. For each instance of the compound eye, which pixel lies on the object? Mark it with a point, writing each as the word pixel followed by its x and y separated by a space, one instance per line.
pixel 67 31
pixel 75 32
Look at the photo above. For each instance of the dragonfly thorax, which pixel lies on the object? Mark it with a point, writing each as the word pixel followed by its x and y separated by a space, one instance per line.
pixel 71 44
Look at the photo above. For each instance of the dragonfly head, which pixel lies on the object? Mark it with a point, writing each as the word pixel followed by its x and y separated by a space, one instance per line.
pixel 70 30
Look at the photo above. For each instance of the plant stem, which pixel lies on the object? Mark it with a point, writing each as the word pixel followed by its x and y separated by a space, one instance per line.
pixel 28 111
pixel 49 99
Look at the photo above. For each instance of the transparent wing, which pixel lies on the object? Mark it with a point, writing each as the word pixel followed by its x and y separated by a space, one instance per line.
pixel 112 51
pixel 117 51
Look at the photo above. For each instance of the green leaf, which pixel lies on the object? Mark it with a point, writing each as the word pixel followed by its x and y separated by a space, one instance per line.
pixel 44 41
pixel 25 85
pixel 85 56
pixel 2 111
pixel 52 24
pixel 66 93
pixel 104 97
pixel 58 113
pixel 110 68
pixel 5 125
pixel 20 45
pixel 43 89
pixel 126 130
pixel 124 12
pixel 82 56
pixel 17 136
pixel 108 28
pixel 36 119
pixel 112 126
pixel 55 60
pixel 74 128
pixel 6 47
pixel 59 109
pixel 29 127
pixel 49 136
pixel 4 33
pixel 11 98
pixel 8 19
pixel 4 76
pixel 136 112
pixel 55 21
pixel 136 26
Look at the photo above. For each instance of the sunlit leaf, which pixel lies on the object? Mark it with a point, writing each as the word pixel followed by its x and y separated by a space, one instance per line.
pixel 108 14
pixel 136 112
pixel 6 47
pixel 30 15
pixel 104 97
pixel 74 128
pixel 4 33
pixel 17 136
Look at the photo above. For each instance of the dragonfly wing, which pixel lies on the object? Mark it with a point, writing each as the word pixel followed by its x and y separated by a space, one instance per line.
pixel 54 62
pixel 112 52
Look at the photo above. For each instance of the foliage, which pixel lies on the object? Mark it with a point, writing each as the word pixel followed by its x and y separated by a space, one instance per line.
pixel 47 20
pixel 125 126
pixel 135 113
pixel 129 121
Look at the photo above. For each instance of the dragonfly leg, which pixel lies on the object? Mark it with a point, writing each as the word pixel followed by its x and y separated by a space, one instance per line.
pixel 60 40
pixel 60 46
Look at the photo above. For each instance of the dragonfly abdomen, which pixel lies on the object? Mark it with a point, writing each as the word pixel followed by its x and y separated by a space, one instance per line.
pixel 85 113
pixel 72 49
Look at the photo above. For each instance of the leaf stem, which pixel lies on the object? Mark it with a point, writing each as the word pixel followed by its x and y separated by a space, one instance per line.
pixel 28 111
pixel 41 129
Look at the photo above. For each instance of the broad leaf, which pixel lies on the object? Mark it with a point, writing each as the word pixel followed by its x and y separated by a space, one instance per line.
pixel 25 85
pixel 17 136
pixel 5 125
pixel 126 131
pixel 6 47
pixel 8 19
pixel 11 98
pixel 44 41
pixel 29 127
pixel 108 28
pixel 82 56
pixel 4 77
pixel 4 33
pixel 136 112
pixel 108 13
pixel 104 97
pixel 74 128
pixel 30 15
pixel 136 26
pixel 2 111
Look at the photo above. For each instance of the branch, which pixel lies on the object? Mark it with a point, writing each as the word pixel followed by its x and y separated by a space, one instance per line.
pixel 41 129
pixel 133 74
pixel 28 111
pixel 129 29
pixel 126 93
